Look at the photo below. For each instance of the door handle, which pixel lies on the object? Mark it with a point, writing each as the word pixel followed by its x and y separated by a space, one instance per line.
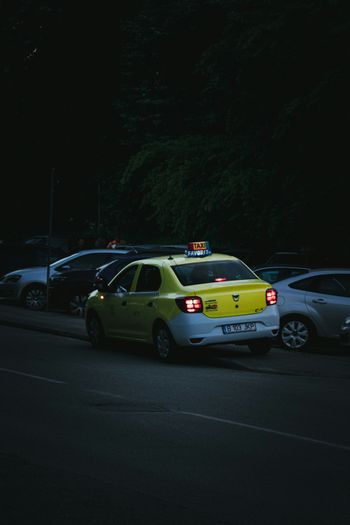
pixel 124 303
pixel 150 304
pixel 319 301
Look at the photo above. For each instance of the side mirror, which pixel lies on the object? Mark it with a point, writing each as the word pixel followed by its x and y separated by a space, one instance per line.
pixel 64 268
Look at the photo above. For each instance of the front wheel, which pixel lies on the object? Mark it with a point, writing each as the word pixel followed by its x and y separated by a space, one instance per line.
pixel 95 331
pixel 164 343
pixel 260 347
pixel 34 297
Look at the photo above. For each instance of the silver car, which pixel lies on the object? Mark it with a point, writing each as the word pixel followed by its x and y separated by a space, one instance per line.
pixel 28 285
pixel 313 305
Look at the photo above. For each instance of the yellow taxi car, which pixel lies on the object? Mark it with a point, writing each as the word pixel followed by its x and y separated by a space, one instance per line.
pixel 190 300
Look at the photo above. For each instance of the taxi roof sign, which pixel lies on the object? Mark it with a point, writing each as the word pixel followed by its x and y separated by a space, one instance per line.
pixel 198 249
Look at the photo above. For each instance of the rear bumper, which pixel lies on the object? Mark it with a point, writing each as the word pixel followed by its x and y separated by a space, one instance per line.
pixel 199 330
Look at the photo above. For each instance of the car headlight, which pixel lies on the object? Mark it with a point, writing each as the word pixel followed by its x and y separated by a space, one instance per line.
pixel 345 326
pixel 12 278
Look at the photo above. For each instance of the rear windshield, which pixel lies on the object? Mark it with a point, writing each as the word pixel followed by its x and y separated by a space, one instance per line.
pixel 210 272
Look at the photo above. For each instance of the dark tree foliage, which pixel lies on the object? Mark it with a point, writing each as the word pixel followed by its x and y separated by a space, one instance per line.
pixel 219 119
pixel 234 116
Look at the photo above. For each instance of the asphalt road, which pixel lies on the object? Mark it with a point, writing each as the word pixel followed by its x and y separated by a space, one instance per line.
pixel 118 437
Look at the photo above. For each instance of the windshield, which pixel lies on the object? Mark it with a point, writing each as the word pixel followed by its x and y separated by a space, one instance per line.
pixel 210 272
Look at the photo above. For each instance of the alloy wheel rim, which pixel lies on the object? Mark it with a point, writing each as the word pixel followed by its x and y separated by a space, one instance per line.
pixel 35 299
pixel 77 305
pixel 295 334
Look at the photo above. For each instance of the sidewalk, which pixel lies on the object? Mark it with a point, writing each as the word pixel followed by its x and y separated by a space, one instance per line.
pixel 327 362
pixel 50 322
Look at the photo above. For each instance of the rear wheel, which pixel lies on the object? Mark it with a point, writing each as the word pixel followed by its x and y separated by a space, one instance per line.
pixel 34 297
pixel 76 305
pixel 296 333
pixel 95 331
pixel 164 343
pixel 260 347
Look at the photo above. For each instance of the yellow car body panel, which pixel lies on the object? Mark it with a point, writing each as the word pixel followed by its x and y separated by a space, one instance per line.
pixel 219 298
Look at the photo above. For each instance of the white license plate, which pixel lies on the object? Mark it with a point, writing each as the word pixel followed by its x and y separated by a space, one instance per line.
pixel 238 327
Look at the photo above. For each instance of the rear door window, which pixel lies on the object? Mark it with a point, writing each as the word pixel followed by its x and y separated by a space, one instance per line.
pixel 149 279
pixel 344 281
pixel 329 284
pixel 304 284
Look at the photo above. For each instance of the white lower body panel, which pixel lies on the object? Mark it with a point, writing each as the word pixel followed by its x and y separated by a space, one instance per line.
pixel 200 330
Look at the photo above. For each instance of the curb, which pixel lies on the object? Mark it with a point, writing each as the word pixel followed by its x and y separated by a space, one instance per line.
pixel 53 331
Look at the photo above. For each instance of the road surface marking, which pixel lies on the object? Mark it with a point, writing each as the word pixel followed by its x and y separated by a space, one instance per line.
pixel 102 393
pixel 48 380
pixel 263 429
pixel 194 414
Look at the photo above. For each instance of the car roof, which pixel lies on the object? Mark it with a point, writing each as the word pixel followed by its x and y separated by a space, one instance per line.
pixel 92 251
pixel 177 259
pixel 123 249
pixel 68 258
pixel 160 247
pixel 136 256
pixel 312 273
pixel 276 265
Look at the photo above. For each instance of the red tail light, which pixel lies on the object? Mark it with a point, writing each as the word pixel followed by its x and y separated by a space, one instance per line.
pixel 271 296
pixel 190 305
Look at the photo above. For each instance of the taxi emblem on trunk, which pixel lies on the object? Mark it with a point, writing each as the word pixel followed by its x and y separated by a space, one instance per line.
pixel 235 297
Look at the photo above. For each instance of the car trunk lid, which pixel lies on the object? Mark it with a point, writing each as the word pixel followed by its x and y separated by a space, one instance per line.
pixel 234 298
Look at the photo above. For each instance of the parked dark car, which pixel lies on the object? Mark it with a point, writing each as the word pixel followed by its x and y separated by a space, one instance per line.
pixel 69 291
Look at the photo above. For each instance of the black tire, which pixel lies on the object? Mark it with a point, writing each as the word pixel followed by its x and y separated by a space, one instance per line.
pixel 164 344
pixel 296 333
pixel 95 331
pixel 76 305
pixel 260 347
pixel 34 297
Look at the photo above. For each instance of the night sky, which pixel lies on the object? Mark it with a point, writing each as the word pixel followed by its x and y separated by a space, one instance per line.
pixel 58 97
